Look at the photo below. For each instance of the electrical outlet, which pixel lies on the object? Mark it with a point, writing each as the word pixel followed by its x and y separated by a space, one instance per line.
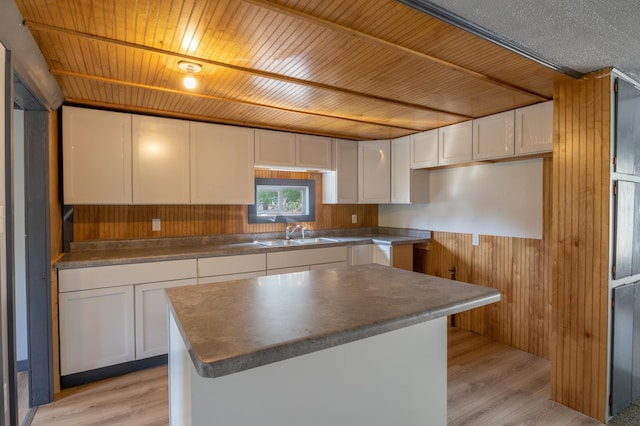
pixel 354 218
pixel 155 224
pixel 475 240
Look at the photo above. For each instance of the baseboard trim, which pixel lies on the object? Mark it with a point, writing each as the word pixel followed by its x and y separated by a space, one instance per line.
pixel 85 377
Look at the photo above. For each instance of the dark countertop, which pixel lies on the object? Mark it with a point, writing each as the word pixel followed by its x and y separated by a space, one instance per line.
pixel 237 325
pixel 123 252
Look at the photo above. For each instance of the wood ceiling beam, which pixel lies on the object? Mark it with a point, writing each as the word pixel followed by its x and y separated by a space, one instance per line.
pixel 86 36
pixel 385 43
pixel 220 99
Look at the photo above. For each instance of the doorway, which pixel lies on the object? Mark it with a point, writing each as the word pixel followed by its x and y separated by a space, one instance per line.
pixel 28 255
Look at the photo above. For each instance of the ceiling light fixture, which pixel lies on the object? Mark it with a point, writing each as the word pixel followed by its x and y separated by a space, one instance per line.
pixel 190 68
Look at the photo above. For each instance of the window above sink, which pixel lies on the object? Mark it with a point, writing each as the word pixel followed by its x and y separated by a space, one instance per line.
pixel 283 200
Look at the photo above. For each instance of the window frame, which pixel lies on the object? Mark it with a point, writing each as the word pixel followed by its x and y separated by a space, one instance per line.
pixel 311 188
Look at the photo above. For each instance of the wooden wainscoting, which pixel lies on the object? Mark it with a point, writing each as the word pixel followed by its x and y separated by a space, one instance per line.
pixel 518 267
pixel 121 222
pixel 580 243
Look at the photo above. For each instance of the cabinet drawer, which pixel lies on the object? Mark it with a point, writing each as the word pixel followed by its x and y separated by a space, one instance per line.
pixel 116 275
pixel 288 270
pixel 230 277
pixel 225 265
pixel 287 259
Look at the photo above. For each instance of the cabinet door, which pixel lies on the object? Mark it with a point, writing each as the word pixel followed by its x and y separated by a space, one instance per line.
pixel 222 170
pixel 151 317
pixel 374 172
pixel 407 185
pixel 361 254
pixel 493 136
pixel 160 160
pixel 96 328
pixel 276 149
pixel 401 170
pixel 382 255
pixel 534 129
pixel 96 158
pixel 341 186
pixel 454 143
pixel 424 149
pixel 313 152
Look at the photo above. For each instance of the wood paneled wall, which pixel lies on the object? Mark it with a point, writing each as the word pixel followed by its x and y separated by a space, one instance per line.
pixel 122 222
pixel 55 236
pixel 580 243
pixel 518 267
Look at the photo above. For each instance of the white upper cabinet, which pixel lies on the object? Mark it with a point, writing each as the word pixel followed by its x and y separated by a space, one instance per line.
pixel 341 186
pixel 374 172
pixel 424 149
pixel 160 160
pixel 291 150
pixel 407 185
pixel 276 149
pixel 313 152
pixel 221 164
pixel 455 143
pixel 493 136
pixel 96 156
pixel 534 129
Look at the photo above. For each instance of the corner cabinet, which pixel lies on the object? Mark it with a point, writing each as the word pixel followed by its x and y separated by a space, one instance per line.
pixel 222 179
pixel 374 172
pixel 455 143
pixel 493 136
pixel 341 185
pixel 291 150
pixel 534 129
pixel 96 149
pixel 407 185
pixel 160 160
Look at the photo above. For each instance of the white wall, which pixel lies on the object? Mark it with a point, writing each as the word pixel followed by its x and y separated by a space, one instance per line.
pixel 503 199
pixel 19 232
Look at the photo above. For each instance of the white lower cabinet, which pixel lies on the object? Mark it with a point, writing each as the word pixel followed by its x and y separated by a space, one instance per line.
pixel 114 314
pixel 151 317
pixel 96 328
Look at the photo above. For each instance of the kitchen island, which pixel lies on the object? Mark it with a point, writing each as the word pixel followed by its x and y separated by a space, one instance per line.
pixel 358 345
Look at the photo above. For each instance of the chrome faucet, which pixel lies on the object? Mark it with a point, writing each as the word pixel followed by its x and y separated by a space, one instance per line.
pixel 288 232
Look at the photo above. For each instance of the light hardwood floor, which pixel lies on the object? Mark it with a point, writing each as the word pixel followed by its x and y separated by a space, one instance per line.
pixel 489 384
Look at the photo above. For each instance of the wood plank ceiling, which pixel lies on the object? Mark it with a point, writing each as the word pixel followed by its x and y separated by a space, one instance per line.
pixel 360 69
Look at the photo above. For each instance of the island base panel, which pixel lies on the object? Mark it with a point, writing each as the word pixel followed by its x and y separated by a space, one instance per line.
pixel 399 377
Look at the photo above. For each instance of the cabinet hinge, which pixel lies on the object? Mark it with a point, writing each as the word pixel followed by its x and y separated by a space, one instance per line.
pixel 615 161
pixel 615 86
pixel 613 270
pixel 613 303
pixel 615 188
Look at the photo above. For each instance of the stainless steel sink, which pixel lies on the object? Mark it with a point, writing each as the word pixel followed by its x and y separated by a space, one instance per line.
pixel 283 243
